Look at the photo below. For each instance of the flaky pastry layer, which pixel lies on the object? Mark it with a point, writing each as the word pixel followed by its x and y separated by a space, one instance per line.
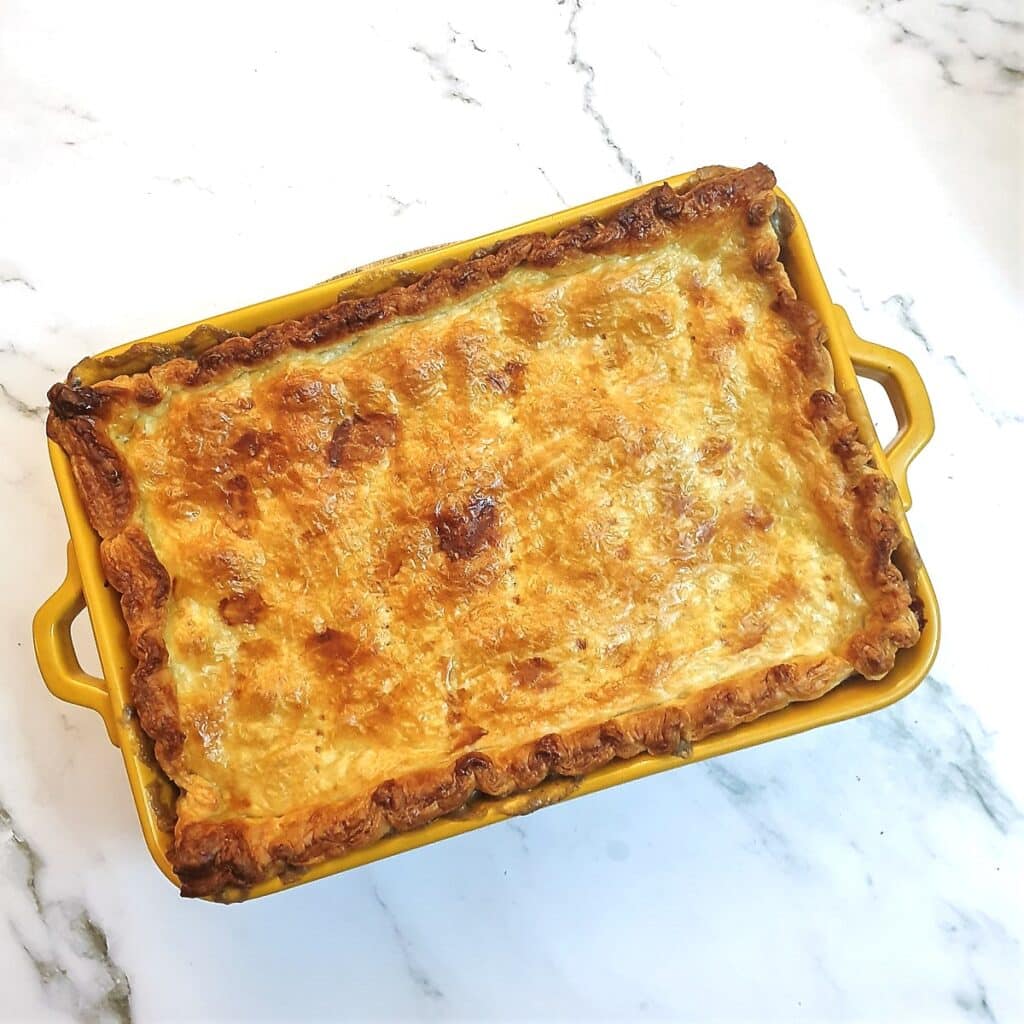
pixel 576 498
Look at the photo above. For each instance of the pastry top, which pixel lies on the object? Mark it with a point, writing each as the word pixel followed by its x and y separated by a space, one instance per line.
pixel 575 498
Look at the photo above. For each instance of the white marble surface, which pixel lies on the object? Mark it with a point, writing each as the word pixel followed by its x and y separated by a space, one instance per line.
pixel 161 163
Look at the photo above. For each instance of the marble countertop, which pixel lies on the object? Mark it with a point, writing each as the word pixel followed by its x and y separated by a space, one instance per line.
pixel 159 164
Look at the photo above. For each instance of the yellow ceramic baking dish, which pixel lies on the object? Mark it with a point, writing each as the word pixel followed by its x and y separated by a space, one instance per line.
pixel 85 587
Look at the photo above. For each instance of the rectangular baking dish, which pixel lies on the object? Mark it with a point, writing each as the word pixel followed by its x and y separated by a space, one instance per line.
pixel 85 586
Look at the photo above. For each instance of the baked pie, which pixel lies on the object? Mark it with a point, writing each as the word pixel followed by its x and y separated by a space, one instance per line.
pixel 573 499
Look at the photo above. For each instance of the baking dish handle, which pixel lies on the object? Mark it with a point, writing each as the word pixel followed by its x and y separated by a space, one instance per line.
pixel 905 388
pixel 55 650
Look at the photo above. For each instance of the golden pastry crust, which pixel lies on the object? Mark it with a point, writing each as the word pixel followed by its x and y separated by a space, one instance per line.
pixel 573 499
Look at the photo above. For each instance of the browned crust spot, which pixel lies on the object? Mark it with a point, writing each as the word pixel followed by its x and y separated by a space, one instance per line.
pixel 465 529
pixel 242 609
pixel 214 857
pixel 362 437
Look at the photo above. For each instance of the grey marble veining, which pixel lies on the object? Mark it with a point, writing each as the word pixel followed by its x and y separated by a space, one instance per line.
pixel 973 47
pixel 66 948
pixel 454 87
pixel 22 408
pixel 952 752
pixel 15 279
pixel 417 976
pixel 586 70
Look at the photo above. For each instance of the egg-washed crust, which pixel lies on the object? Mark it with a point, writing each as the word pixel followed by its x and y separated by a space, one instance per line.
pixel 222 857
